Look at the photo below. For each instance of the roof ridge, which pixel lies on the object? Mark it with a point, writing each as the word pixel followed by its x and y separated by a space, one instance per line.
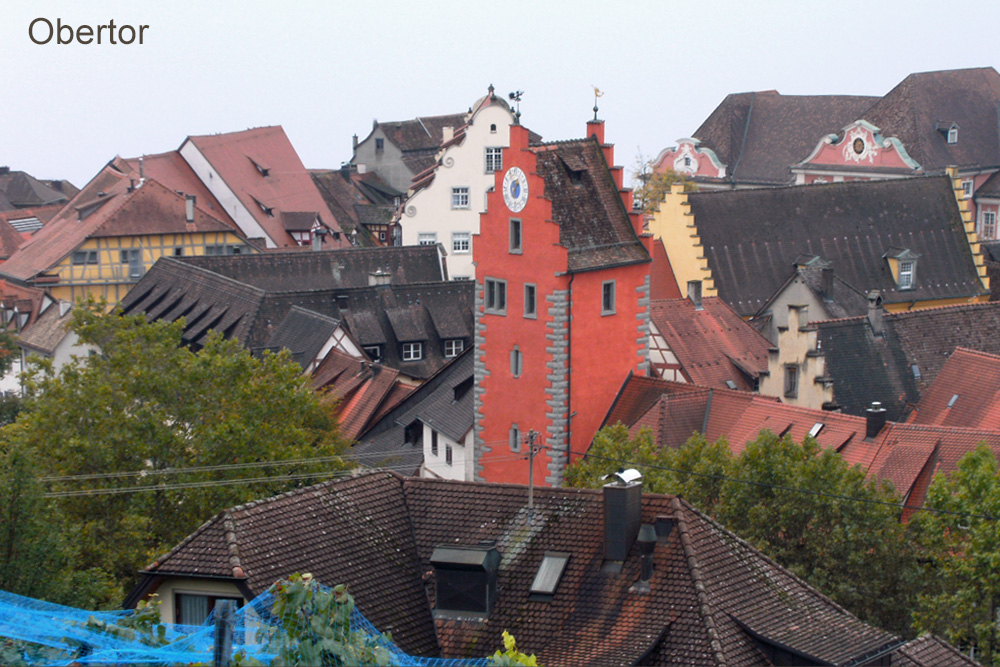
pixel 704 606
pixel 213 274
pixel 232 545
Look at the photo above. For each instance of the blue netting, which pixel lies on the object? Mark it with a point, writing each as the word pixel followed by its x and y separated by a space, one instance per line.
pixel 33 632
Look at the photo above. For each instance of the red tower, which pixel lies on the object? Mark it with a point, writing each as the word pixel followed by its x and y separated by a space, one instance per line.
pixel 561 306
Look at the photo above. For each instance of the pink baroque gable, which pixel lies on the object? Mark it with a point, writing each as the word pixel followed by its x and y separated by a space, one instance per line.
pixel 687 158
pixel 860 145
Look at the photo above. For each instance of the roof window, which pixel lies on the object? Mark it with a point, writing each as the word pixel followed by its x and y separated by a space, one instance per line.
pixel 817 427
pixel 954 398
pixel 465 579
pixel 262 170
pixel 550 572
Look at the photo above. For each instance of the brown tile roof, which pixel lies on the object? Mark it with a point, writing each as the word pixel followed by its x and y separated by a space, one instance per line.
pixel 867 368
pixel 920 103
pixel 10 239
pixel 47 330
pixel 30 220
pixel 239 157
pixel 713 344
pixel 712 599
pixel 966 392
pixel 108 206
pixel 928 651
pixel 23 190
pixel 362 387
pixel 173 172
pixel 356 200
pixel 662 281
pixel 751 238
pixel 758 136
pixel 593 224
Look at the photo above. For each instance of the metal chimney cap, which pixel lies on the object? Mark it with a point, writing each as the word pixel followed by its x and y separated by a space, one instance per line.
pixel 624 476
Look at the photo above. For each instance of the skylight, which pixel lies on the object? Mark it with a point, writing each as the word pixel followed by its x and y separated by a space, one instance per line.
pixel 548 575
pixel 817 427
pixel 953 399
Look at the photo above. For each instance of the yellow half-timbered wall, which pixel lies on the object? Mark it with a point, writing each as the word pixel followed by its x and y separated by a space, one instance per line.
pixel 98 268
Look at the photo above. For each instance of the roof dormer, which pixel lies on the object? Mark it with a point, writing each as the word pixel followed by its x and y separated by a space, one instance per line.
pixel 903 265
pixel 948 129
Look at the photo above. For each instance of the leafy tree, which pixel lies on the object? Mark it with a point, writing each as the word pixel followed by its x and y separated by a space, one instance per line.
pixel 146 409
pixel 511 657
pixel 962 546
pixel 790 501
pixel 652 185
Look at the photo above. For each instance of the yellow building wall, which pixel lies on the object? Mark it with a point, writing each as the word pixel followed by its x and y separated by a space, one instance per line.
pixel 797 347
pixel 111 279
pixel 675 225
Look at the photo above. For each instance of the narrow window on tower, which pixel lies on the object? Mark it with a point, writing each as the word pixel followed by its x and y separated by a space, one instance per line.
pixel 515 236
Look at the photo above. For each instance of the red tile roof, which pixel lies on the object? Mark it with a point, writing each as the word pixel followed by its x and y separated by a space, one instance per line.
pixel 662 281
pixel 363 388
pixel 240 157
pixel 173 172
pixel 966 392
pixel 713 344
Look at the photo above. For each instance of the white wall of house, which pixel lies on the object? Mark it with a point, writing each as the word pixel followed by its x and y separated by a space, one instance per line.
pixel 437 466
pixel 430 214
pixel 166 593
pixel 218 187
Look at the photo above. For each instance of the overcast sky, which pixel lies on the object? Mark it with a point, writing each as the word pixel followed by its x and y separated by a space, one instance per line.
pixel 324 70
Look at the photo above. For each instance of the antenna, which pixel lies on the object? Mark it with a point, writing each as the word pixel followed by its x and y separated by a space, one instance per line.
pixel 516 98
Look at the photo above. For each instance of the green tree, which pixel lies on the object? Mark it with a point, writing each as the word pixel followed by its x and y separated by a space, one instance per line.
pixel 962 550
pixel 144 410
pixel 799 504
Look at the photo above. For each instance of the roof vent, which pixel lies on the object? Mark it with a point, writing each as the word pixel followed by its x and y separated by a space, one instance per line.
pixel 189 202
pixel 465 579
pixel 954 398
pixel 916 371
pixel 694 293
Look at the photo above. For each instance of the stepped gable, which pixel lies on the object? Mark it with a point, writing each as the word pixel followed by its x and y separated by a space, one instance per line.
pixel 593 224
pixel 759 135
pixel 752 238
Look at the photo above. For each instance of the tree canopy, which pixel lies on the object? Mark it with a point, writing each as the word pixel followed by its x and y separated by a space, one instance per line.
pixel 142 442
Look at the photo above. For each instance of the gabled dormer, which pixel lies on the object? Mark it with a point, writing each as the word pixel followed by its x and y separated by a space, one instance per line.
pixel 903 265
pixel 948 129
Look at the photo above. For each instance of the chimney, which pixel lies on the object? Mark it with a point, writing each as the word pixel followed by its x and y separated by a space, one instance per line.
pixel 647 543
pixel 622 513
pixel 379 277
pixel 189 201
pixel 875 313
pixel 694 293
pixel 874 420
pixel 4 170
pixel 447 133
pixel 317 239
pixel 826 283
pixel 354 142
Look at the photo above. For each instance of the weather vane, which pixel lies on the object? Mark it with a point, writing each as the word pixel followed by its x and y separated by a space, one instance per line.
pixel 516 98
pixel 597 93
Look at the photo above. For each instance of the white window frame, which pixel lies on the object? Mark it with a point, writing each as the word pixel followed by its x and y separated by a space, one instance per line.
pixel 494 159
pixel 413 351
pixel 967 188
pixel 495 296
pixel 953 135
pixel 453 347
pixel 609 297
pixel 460 197
pixel 461 243
pixel 988 225
pixel 374 353
pixel 907 271
pixel 427 238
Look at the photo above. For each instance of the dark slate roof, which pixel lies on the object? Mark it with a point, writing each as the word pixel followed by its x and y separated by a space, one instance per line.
pixel 991 188
pixel 712 599
pixel 303 333
pixel 866 368
pixel 752 238
pixel 593 224
pixel 326 269
pixel 758 136
pixel 449 407
pixel 23 190
pixel 913 110
pixel 356 199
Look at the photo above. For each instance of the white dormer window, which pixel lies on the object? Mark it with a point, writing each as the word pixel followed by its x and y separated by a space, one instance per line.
pixel 967 188
pixel 413 351
pixel 953 135
pixel 988 226
pixel 906 270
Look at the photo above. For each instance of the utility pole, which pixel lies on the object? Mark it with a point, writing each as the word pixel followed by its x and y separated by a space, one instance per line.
pixel 530 439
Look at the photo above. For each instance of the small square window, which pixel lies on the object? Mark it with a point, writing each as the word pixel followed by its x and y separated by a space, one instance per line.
pixel 953 135
pixel 427 238
pixel 460 197
pixel 515 236
pixel 608 297
pixel 791 381
pixel 413 351
pixel 530 306
pixel 453 347
pixel 906 274
pixel 514 438
pixel 495 296
pixel 379 145
pixel 461 242
pixel 178 251
pixel 494 159
pixel 374 353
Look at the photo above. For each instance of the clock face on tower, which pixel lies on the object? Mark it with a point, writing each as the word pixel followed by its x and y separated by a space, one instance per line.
pixel 515 189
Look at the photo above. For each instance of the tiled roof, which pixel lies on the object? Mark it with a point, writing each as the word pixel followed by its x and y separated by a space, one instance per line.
pixel 29 220
pixel 712 599
pixel 10 239
pixel 303 333
pixel 662 281
pixel 239 158
pixel 752 238
pixel 108 206
pixel 713 344
pixel 327 269
pixel 174 173
pixel 966 392
pixel 356 199
pixel 448 409
pixel 867 368
pixel 23 190
pixel 46 332
pixel 991 188
pixel 914 109
pixel 593 224
pixel 928 651
pixel 362 387
pixel 758 136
